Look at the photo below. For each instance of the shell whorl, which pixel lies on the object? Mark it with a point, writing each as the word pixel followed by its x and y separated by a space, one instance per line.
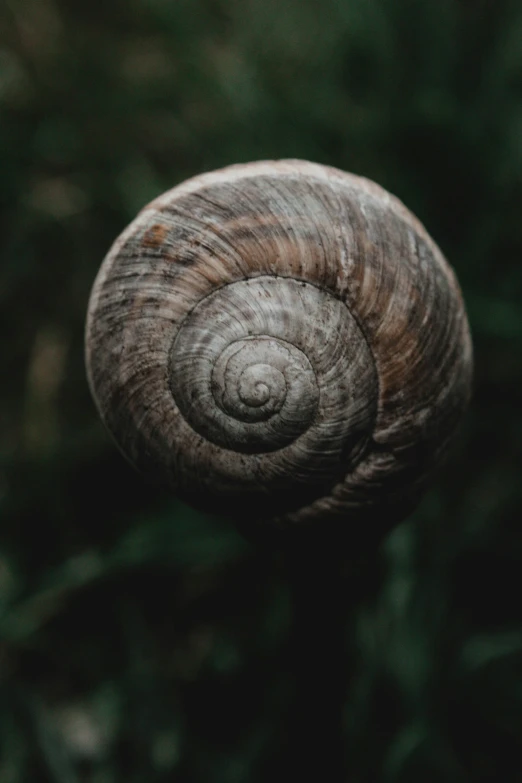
pixel 280 339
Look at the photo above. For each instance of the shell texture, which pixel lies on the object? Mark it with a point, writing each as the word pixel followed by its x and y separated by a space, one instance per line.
pixel 280 340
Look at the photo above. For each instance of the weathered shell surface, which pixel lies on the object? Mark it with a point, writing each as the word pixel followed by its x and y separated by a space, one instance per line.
pixel 282 340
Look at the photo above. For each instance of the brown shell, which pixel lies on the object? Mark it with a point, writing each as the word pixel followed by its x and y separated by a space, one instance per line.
pixel 280 340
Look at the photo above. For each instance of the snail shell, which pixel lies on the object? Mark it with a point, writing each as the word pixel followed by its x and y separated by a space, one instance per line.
pixel 280 339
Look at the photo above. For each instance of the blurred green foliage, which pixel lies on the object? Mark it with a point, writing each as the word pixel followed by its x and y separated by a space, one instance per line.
pixel 139 640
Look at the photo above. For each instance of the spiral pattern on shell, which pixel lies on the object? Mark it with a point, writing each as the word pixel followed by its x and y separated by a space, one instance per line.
pixel 280 339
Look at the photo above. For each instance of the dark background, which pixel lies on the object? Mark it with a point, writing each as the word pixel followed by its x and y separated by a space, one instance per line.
pixel 140 640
